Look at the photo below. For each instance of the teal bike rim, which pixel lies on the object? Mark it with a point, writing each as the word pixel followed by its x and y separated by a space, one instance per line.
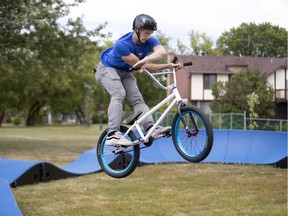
pixel 184 146
pixel 111 157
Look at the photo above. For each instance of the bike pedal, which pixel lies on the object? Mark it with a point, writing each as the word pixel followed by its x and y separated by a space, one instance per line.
pixel 168 135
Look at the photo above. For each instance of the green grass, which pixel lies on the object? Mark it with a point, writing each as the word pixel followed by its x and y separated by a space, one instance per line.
pixel 59 145
pixel 163 189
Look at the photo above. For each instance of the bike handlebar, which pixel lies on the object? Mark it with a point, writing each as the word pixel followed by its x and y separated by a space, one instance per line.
pixel 184 64
pixel 187 63
pixel 170 87
pixel 134 69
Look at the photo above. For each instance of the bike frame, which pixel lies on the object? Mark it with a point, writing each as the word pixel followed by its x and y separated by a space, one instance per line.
pixel 174 96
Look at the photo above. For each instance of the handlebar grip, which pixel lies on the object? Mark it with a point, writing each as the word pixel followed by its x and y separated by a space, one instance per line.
pixel 187 63
pixel 137 68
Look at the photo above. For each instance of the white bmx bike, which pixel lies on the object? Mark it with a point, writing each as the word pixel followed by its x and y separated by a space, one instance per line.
pixel 192 134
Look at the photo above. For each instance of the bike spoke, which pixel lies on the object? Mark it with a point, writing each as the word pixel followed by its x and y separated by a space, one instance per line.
pixel 117 161
pixel 193 142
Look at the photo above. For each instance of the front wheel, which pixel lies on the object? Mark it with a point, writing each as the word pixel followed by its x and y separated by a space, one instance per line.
pixel 195 141
pixel 118 162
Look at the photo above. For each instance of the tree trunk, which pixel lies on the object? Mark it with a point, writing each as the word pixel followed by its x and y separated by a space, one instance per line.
pixel 2 114
pixel 33 114
pixel 82 117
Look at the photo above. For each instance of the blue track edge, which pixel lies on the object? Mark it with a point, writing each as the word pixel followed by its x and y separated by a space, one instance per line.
pixel 230 146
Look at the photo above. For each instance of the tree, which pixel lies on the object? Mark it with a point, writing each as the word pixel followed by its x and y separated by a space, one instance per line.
pixel 164 40
pixel 201 43
pixel 18 28
pixel 250 39
pixel 80 55
pixel 252 100
pixel 182 48
pixel 231 97
pixel 43 63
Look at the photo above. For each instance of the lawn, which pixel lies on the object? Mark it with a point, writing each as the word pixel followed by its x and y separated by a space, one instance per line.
pixel 160 189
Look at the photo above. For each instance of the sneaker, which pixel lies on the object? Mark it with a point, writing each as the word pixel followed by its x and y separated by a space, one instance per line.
pixel 117 139
pixel 160 132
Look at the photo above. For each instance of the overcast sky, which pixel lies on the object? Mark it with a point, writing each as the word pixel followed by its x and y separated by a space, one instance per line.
pixel 178 17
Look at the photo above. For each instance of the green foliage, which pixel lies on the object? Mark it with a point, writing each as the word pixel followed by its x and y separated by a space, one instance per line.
pixel 164 40
pixel 252 100
pixel 201 43
pixel 182 48
pixel 150 91
pixel 250 39
pixel 16 120
pixel 227 121
pixel 231 97
pixel 100 118
pixel 43 63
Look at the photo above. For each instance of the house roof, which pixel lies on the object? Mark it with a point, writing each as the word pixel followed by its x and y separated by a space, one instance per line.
pixel 224 64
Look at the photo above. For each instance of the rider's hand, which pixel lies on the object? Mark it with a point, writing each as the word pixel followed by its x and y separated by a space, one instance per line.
pixel 140 63
pixel 177 66
pixel 141 70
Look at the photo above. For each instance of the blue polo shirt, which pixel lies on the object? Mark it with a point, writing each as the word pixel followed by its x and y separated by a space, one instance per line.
pixel 124 46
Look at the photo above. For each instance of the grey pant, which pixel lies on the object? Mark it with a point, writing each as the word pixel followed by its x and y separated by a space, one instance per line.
pixel 120 84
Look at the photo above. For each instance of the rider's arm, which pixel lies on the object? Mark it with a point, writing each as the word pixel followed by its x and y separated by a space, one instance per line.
pixel 157 67
pixel 130 59
pixel 158 53
pixel 133 59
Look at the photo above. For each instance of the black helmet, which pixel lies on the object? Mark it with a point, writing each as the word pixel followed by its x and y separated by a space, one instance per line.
pixel 144 21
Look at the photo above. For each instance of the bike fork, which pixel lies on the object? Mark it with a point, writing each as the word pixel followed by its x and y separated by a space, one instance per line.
pixel 188 132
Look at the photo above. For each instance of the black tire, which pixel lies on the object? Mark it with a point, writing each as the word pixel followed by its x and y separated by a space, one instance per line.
pixel 117 165
pixel 194 146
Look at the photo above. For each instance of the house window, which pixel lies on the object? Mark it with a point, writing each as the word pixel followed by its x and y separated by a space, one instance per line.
pixel 209 80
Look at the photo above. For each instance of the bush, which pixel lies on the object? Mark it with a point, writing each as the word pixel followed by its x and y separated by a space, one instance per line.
pixel 16 120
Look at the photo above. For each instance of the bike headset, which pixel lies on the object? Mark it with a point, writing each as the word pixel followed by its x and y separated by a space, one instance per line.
pixel 145 22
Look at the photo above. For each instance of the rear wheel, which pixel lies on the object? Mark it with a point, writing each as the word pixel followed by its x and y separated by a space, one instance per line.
pixel 194 143
pixel 117 162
